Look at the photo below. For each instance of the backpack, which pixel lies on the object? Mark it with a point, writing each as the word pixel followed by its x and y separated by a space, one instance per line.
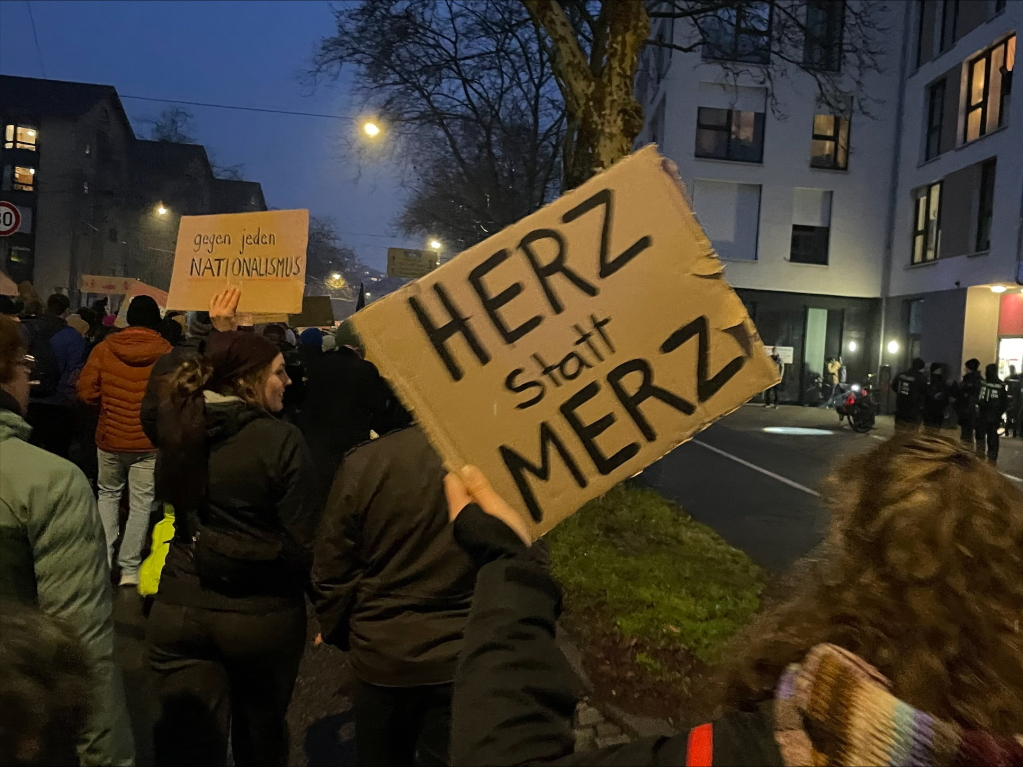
pixel 46 371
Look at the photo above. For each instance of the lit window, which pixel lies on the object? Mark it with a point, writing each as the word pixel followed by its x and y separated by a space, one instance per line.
pixel 24 178
pixel 728 134
pixel 989 88
pixel 830 147
pixel 927 223
pixel 20 137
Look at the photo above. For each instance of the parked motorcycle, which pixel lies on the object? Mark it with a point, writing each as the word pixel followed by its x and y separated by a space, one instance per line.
pixel 859 407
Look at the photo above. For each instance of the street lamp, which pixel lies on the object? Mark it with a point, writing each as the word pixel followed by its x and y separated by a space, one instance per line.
pixel 336 276
pixel 161 210
pixel 893 347
pixel 435 244
pixel 371 129
pixel 852 346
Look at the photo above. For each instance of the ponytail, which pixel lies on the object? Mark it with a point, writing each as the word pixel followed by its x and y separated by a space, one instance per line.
pixel 181 423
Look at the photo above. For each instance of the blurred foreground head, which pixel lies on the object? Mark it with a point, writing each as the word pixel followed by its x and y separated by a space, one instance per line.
pixel 44 688
pixel 922 579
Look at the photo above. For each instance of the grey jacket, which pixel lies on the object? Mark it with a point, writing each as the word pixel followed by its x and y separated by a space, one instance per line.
pixel 53 556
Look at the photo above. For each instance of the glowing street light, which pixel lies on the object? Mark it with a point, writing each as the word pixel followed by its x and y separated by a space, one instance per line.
pixel 161 210
pixel 435 245
pixel 336 276
pixel 893 347
pixel 852 346
pixel 371 129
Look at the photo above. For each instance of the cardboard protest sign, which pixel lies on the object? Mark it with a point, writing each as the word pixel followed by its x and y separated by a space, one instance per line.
pixel 405 262
pixel 140 289
pixel 114 286
pixel 577 346
pixel 317 312
pixel 249 319
pixel 263 253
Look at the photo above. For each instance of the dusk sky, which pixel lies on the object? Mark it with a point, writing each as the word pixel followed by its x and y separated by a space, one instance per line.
pixel 233 53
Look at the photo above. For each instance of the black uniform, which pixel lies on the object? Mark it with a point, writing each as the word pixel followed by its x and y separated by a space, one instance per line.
pixel 909 388
pixel 937 397
pixel 992 401
pixel 966 394
pixel 1014 384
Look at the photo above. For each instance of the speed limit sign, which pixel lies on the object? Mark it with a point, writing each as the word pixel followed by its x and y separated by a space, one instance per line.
pixel 10 219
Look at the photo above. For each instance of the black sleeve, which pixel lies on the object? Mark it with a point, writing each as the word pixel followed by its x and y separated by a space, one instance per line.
pixel 337 562
pixel 297 514
pixel 151 400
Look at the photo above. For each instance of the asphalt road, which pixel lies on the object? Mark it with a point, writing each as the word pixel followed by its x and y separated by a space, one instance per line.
pixel 758 489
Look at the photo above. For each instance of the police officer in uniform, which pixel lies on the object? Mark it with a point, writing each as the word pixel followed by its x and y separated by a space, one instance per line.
pixel 909 388
pixel 992 400
pixel 966 393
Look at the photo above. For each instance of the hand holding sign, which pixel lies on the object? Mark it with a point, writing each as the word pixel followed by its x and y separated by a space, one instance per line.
pixel 224 309
pixel 470 486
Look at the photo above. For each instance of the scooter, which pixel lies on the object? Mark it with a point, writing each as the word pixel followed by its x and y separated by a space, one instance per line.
pixel 859 407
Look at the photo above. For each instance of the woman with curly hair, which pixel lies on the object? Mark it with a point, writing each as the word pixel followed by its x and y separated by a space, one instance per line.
pixel 905 648
pixel 228 625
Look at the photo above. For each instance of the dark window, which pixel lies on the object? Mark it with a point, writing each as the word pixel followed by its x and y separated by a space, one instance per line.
pixel 738 33
pixel 989 87
pixel 823 44
pixel 830 147
pixel 987 205
pixel 927 223
pixel 926 10
pixel 935 110
pixel 728 134
pixel 949 22
pixel 810 244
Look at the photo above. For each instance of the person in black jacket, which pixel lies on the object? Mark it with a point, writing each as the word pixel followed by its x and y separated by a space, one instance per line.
pixel 966 394
pixel 344 399
pixel 1014 388
pixel 992 401
pixel 937 397
pixel 228 626
pixel 909 387
pixel 393 589
pixel 832 676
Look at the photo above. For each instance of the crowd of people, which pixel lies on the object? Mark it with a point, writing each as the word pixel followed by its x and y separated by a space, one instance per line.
pixel 983 407
pixel 295 478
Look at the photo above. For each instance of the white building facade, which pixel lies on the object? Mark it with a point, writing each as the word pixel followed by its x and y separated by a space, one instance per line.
pixel 812 208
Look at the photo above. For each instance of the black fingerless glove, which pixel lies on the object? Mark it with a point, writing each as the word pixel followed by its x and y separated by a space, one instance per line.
pixel 486 538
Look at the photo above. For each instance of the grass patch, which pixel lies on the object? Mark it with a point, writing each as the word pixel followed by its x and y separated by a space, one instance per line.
pixel 638 561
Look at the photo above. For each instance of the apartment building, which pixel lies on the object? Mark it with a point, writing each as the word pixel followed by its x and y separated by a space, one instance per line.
pixel 874 238
pixel 952 291
pixel 93 198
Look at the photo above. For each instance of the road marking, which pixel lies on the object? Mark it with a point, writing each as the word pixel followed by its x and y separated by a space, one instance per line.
pixel 762 470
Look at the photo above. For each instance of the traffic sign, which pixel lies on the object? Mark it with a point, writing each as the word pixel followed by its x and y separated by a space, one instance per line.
pixel 10 219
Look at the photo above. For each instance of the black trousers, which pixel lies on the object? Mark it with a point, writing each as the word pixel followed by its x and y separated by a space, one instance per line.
pixel 987 432
pixel 402 725
pixel 771 395
pixel 219 671
pixel 967 427
pixel 53 427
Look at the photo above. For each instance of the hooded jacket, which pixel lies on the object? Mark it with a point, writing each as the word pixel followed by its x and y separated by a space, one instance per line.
pixel 256 498
pixel 53 557
pixel 69 352
pixel 115 378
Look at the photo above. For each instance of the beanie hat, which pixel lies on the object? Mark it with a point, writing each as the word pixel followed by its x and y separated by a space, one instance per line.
pixel 143 311
pixel 311 336
pixel 236 355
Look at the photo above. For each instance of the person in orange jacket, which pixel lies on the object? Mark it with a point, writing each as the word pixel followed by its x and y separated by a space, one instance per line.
pixel 115 378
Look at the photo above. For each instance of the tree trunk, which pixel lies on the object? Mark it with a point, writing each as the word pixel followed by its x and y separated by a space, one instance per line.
pixel 600 98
